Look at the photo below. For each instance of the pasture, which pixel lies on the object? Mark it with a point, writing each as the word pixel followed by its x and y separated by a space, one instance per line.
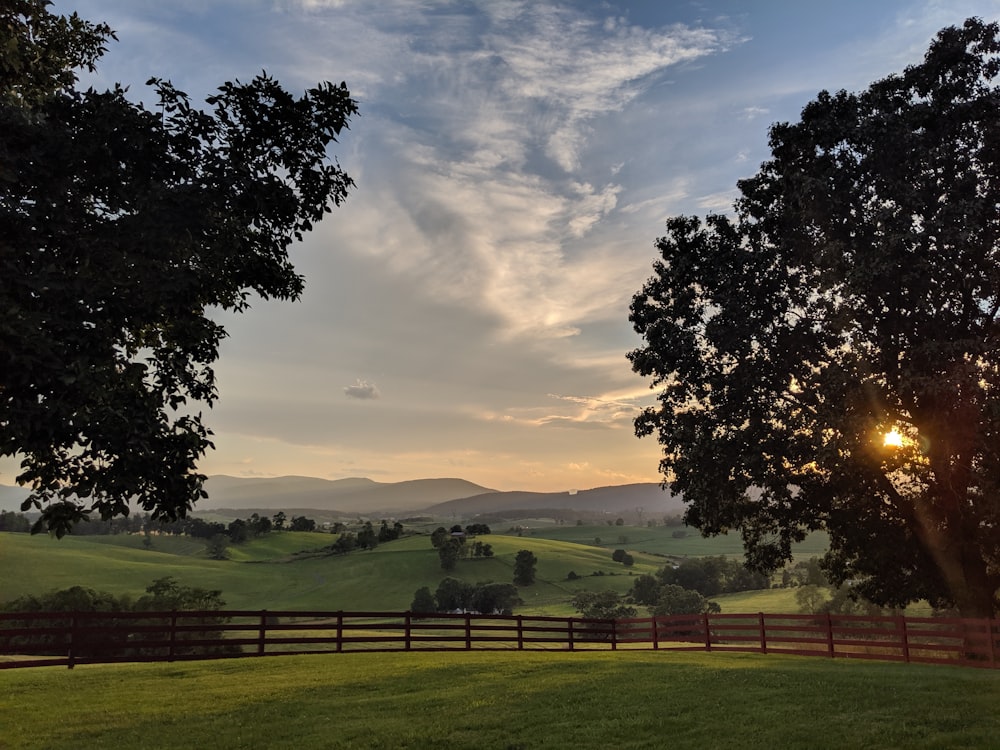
pixel 523 700
pixel 267 573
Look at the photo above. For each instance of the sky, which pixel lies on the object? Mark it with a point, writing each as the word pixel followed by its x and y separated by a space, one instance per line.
pixel 465 312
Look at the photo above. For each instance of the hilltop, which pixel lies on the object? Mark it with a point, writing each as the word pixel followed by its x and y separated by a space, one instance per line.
pixel 438 497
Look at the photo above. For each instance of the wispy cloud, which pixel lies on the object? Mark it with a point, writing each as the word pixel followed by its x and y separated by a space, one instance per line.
pixel 362 390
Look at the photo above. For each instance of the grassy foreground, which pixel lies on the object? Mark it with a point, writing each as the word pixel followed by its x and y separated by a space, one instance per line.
pixel 502 700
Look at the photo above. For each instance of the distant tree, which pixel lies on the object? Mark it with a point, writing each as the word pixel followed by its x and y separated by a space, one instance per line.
pixel 495 598
pixel 645 590
pixel 608 605
pixel 810 598
pixel 258 525
pixel 677 600
pixel 367 538
pixel 628 560
pixel 524 568
pixel 199 528
pixel 238 531
pixel 453 594
pixel 827 358
pixel 479 549
pixel 619 522
pixel 618 555
pixel 450 553
pixel 217 547
pixel 301 523
pixel 439 536
pixel 166 593
pixel 14 522
pixel 423 601
pixel 477 528
pixel 346 542
pixel 278 520
pixel 123 230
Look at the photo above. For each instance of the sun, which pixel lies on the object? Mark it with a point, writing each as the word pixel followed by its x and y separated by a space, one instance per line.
pixel 893 439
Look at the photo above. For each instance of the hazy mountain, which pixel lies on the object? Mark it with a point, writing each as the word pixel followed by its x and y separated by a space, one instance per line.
pixel 649 498
pixel 439 497
pixel 347 495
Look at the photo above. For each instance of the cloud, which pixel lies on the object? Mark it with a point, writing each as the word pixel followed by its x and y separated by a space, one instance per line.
pixel 752 113
pixel 362 389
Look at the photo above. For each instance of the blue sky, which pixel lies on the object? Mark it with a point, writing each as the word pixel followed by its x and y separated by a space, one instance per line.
pixel 466 310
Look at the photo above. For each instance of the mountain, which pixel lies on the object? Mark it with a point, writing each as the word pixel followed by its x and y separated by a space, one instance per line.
pixel 353 495
pixel 436 497
pixel 649 497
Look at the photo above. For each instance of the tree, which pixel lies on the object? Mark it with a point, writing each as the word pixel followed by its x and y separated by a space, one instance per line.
pixel 677 600
pixel 524 568
pixel 122 229
pixel 602 605
pixel 439 536
pixel 217 547
pixel 301 523
pixel 453 594
pixel 854 295
pixel 238 531
pixel 449 553
pixel 278 520
pixel 423 601
pixel 495 598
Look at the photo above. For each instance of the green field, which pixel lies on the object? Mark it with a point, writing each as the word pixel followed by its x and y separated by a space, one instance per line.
pixel 502 700
pixel 660 540
pixel 266 574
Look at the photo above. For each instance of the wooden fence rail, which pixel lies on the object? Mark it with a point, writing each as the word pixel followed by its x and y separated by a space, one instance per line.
pixel 70 638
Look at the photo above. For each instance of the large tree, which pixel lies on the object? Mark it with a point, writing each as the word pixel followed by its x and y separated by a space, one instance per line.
pixel 854 295
pixel 122 228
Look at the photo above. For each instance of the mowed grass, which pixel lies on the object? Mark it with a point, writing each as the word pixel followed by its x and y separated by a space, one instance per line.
pixel 510 700
pixel 266 573
pixel 660 540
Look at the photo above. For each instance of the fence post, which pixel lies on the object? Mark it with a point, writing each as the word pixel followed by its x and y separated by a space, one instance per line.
pixel 406 641
pixel 468 632
pixel 262 632
pixel 656 633
pixel 340 631
pixel 904 635
pixel 71 653
pixel 569 632
pixel 763 633
pixel 993 642
pixel 829 634
pixel 708 633
pixel 173 635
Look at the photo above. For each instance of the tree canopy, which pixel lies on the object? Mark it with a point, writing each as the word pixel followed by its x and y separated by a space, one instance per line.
pixel 854 294
pixel 122 228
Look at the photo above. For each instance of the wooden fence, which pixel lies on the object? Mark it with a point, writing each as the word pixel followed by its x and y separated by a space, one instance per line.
pixel 70 638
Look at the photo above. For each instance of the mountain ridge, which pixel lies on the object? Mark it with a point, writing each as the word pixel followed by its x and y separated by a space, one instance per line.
pixel 435 496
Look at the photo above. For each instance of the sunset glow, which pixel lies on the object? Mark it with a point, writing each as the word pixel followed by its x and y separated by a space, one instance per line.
pixel 893 439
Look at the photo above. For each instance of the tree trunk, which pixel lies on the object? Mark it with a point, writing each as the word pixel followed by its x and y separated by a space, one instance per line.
pixel 959 559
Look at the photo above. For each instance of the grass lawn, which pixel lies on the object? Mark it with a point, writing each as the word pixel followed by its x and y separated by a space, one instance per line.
pixel 502 700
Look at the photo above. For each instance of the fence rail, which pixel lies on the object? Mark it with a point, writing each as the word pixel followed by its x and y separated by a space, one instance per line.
pixel 70 638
